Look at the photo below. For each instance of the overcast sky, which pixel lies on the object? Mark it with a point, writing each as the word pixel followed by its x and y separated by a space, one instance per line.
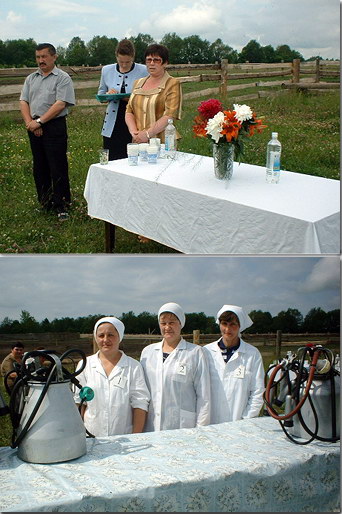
pixel 310 26
pixel 60 286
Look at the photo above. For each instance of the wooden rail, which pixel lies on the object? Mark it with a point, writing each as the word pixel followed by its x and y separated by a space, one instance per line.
pixel 134 343
pixel 294 75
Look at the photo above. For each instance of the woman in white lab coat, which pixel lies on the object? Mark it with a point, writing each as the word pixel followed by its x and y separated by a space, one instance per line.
pixel 236 369
pixel 121 396
pixel 177 376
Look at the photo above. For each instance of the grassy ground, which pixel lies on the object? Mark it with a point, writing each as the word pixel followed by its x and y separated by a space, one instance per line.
pixel 308 127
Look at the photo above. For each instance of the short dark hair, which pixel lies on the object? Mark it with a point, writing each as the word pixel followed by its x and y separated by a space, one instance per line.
pixel 49 46
pixel 17 345
pixel 159 50
pixel 229 316
pixel 125 47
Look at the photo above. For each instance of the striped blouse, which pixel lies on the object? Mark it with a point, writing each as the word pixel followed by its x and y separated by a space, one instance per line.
pixel 148 106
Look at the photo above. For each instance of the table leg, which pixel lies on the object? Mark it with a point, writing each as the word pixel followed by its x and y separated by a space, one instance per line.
pixel 109 237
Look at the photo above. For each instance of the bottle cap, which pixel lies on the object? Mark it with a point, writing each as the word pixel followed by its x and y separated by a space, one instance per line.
pixel 274 135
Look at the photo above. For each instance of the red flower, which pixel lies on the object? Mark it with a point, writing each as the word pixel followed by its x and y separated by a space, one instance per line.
pixel 209 108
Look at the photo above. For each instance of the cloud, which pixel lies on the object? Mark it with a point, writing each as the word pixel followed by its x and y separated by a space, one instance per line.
pixel 80 285
pixel 13 18
pixel 325 275
pixel 199 18
pixel 63 7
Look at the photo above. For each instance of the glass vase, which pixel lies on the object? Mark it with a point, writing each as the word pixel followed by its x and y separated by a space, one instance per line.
pixel 223 154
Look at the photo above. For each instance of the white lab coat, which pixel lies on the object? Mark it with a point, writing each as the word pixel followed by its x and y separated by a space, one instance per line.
pixel 110 411
pixel 179 387
pixel 236 386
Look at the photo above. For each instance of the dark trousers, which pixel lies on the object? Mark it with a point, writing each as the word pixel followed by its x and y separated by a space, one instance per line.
pixel 50 165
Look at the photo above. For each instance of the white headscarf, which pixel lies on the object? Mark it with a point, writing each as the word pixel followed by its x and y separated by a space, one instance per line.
pixel 120 327
pixel 175 309
pixel 244 320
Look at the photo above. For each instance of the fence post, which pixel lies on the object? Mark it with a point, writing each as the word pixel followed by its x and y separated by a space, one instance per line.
pixel 278 344
pixel 224 77
pixel 196 336
pixel 317 74
pixel 296 71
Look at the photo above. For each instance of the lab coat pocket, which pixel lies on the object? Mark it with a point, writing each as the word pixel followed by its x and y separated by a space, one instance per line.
pixel 179 378
pixel 187 419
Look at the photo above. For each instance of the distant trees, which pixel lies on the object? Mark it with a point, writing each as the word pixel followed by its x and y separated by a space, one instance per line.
pixel 141 42
pixel 17 53
pixel 254 52
pixel 289 321
pixel 101 50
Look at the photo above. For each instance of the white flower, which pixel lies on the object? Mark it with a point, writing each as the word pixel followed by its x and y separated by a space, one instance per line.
pixel 214 126
pixel 243 112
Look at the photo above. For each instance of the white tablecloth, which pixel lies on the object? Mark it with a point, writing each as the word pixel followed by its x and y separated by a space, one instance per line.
pixel 244 466
pixel 182 205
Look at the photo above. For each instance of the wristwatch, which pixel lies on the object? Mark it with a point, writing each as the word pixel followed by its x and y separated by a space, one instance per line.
pixel 38 120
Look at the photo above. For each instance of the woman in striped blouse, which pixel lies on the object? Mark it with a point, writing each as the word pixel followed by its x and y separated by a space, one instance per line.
pixel 154 98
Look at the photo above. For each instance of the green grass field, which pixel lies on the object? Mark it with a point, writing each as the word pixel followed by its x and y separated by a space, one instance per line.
pixel 308 127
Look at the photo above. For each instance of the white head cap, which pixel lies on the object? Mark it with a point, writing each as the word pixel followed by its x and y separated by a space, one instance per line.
pixel 244 319
pixel 175 309
pixel 120 327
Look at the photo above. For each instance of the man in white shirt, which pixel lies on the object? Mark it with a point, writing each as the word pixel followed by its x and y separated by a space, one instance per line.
pixel 236 369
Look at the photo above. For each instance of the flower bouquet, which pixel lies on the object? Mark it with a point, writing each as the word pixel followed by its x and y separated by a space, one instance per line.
pixel 227 129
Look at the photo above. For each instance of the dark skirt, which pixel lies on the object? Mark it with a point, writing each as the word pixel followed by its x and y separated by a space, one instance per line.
pixel 117 142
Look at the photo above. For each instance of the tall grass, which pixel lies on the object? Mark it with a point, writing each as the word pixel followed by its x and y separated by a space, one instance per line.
pixel 308 128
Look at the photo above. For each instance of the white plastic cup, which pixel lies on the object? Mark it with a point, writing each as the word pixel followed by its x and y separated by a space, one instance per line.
pixel 152 154
pixel 132 153
pixel 103 155
pixel 155 141
pixel 143 151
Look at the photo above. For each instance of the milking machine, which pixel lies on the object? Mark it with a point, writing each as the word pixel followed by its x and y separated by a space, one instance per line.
pixel 47 426
pixel 303 394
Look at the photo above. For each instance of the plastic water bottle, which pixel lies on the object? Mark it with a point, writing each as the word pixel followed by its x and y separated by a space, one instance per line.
pixel 273 160
pixel 170 139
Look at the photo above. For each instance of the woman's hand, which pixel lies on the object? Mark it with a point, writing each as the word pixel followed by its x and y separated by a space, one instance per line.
pixel 140 137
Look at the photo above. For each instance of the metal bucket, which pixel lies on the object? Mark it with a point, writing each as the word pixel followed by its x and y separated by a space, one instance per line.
pixel 57 432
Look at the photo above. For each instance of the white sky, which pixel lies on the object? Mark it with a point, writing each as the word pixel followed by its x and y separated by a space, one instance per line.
pixel 311 27
pixel 49 286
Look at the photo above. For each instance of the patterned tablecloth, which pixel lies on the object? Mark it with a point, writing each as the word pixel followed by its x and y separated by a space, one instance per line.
pixel 245 466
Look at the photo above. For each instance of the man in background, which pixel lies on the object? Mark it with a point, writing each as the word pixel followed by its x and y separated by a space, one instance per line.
pixel 8 364
pixel 46 95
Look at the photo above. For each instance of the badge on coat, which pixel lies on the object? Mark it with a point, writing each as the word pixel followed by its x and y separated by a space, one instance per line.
pixel 182 369
pixel 120 381
pixel 239 372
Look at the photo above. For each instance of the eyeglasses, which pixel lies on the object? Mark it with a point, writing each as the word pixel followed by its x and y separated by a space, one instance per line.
pixel 149 60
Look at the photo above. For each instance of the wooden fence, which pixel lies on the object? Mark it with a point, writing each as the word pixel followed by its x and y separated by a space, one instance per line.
pixel 132 344
pixel 299 75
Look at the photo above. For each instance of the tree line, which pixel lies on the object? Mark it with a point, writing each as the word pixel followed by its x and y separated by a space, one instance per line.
pixel 100 50
pixel 289 321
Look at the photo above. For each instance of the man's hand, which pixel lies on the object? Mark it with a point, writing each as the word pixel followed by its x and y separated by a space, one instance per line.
pixel 38 132
pixel 33 125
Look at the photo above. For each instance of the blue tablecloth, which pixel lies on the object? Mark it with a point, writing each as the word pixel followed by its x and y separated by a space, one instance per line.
pixel 245 466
